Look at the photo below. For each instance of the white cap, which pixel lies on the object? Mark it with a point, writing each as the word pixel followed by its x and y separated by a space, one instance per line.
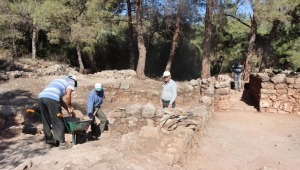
pixel 73 77
pixel 98 87
pixel 166 74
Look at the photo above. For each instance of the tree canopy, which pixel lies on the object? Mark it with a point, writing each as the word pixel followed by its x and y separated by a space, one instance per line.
pixel 155 35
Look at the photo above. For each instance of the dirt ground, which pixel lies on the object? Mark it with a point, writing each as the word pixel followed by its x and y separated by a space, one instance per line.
pixel 241 138
pixel 23 92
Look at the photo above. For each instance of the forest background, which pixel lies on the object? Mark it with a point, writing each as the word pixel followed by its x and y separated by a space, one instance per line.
pixel 191 38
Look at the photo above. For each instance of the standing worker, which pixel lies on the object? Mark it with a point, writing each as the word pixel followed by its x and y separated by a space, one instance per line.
pixel 237 70
pixel 169 92
pixel 50 105
pixel 95 99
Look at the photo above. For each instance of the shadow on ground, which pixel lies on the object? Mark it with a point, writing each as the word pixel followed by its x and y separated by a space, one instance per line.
pixel 17 98
pixel 14 152
pixel 247 98
pixel 13 102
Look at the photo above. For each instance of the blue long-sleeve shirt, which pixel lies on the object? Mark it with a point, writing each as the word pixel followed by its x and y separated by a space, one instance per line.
pixel 94 100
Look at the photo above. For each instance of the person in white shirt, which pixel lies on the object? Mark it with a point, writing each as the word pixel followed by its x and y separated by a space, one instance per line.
pixel 169 92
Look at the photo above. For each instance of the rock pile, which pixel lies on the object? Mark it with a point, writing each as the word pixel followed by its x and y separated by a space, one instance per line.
pixel 11 125
pixel 277 94
pixel 25 67
pixel 163 134
pixel 132 118
pixel 114 74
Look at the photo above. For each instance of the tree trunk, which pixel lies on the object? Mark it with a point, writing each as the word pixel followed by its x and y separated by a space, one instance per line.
pixel 34 38
pixel 12 32
pixel 140 39
pixel 253 31
pixel 175 38
pixel 268 46
pixel 15 54
pixel 81 66
pixel 130 34
pixel 207 39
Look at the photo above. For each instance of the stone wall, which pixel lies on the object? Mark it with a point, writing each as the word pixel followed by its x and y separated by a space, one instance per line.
pixel 132 118
pixel 174 131
pixel 122 92
pixel 222 93
pixel 205 108
pixel 276 94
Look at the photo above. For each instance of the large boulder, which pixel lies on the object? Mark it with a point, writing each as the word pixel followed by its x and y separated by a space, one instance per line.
pixel 264 77
pixel 149 132
pixel 279 78
pixel 148 111
pixel 134 110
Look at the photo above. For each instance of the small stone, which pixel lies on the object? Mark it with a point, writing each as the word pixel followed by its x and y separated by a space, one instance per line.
pixel 194 82
pixel 164 131
pixel 125 86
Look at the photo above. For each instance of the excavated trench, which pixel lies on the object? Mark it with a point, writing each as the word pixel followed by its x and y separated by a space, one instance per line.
pixel 134 116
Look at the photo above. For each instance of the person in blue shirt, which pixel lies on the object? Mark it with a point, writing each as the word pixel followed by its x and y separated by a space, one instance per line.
pixel 237 70
pixel 50 103
pixel 95 99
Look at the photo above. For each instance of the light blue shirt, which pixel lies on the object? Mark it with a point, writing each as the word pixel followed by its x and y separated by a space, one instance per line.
pixel 57 88
pixel 169 91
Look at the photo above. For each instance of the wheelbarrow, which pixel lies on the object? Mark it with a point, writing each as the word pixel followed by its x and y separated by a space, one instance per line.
pixel 76 128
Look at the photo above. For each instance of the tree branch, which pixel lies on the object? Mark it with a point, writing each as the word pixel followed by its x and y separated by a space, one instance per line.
pixel 80 11
pixel 229 15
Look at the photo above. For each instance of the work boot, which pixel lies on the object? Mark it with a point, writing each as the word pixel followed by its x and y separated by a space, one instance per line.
pixel 93 136
pixel 50 145
pixel 65 145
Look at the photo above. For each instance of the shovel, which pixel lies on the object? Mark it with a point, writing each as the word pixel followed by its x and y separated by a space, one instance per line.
pixel 94 114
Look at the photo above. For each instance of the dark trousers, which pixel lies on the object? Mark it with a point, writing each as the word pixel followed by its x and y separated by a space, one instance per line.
pixel 103 120
pixel 166 104
pixel 49 110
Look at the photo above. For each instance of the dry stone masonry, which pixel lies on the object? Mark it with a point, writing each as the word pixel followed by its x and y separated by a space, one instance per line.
pixel 277 94
pixel 222 93
pixel 170 133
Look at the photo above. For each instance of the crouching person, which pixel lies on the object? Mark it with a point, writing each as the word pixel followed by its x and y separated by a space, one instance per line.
pixel 50 100
pixel 95 99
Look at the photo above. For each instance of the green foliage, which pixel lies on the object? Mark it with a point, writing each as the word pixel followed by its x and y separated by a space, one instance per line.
pixel 101 29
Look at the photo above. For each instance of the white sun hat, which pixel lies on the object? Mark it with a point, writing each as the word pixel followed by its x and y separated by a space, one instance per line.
pixel 166 74
pixel 98 87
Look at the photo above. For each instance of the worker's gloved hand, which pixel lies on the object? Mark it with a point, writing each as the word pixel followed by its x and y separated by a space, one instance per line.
pixel 90 115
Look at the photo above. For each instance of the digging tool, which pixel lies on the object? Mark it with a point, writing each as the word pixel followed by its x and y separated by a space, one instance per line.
pixel 34 112
pixel 95 112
